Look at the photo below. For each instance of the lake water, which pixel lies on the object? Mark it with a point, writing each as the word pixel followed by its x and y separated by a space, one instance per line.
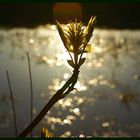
pixel 107 102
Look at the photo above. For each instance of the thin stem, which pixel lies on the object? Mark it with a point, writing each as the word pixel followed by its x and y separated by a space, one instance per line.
pixel 71 56
pixel 31 86
pixel 75 58
pixel 56 97
pixel 82 51
pixel 13 105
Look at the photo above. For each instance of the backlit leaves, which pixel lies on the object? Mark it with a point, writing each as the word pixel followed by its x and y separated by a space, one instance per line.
pixel 75 39
pixel 90 28
pixel 70 62
pixel 62 34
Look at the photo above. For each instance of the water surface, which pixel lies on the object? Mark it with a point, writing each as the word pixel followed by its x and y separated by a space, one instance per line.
pixel 108 98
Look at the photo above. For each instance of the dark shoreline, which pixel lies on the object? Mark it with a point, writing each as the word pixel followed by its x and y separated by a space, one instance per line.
pixel 109 15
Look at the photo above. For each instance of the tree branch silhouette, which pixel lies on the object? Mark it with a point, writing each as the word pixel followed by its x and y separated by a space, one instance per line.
pixel 75 40
pixel 61 93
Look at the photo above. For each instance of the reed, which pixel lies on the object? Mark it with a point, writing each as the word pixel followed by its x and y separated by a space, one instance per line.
pixel 31 88
pixel 13 104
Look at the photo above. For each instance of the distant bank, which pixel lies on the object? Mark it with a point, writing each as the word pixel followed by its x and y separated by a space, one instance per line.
pixel 110 15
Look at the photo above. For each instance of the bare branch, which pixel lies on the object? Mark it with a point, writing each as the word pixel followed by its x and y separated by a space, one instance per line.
pixel 68 87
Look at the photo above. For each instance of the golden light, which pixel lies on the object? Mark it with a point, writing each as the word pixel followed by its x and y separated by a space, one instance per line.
pixel 67 121
pixel 105 124
pixel 31 40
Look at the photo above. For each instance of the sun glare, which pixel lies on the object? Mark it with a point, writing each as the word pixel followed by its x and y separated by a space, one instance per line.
pixel 67 11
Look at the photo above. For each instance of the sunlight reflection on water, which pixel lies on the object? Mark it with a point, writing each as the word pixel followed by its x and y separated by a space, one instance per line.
pixel 106 102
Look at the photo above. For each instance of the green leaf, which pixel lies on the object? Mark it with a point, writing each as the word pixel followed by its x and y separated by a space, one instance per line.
pixel 70 62
pixel 82 60
pixel 90 28
pixel 62 34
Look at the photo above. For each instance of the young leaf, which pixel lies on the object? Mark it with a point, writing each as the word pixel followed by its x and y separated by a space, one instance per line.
pixel 82 60
pixel 90 28
pixel 88 48
pixel 62 34
pixel 70 62
pixel 70 49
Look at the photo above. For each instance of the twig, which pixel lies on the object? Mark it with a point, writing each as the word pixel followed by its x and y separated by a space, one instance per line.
pixel 31 86
pixel 13 106
pixel 68 87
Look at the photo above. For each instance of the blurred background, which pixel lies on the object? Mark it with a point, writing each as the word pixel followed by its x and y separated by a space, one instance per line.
pixel 107 102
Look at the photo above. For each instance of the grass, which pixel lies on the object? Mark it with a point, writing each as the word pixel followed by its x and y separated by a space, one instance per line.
pixel 31 86
pixel 13 104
